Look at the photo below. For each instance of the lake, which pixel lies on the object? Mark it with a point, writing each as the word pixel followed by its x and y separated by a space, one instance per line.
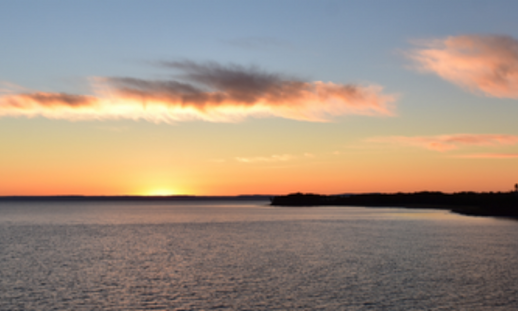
pixel 235 255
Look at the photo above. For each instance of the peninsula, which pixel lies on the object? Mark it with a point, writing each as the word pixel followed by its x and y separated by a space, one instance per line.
pixel 500 204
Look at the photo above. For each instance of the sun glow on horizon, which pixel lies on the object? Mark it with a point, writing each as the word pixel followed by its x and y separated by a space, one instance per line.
pixel 160 192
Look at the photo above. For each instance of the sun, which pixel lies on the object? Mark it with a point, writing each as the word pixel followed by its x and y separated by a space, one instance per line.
pixel 160 192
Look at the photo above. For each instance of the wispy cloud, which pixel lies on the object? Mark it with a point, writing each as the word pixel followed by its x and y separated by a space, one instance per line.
pixel 273 158
pixel 208 91
pixel 52 105
pixel 489 156
pixel 449 142
pixel 478 63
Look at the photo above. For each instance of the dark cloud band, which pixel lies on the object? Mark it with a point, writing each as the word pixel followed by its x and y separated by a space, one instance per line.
pixel 206 91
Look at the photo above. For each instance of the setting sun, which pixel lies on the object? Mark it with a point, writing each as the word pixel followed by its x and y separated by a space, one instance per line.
pixel 160 192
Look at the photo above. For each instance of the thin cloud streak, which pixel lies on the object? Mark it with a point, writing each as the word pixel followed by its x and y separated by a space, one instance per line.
pixel 489 156
pixel 273 158
pixel 449 142
pixel 475 62
pixel 209 92
pixel 50 105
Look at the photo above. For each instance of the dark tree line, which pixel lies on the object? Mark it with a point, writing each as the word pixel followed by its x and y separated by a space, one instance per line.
pixel 472 203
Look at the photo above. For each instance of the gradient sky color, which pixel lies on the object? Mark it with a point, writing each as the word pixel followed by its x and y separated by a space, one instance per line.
pixel 257 97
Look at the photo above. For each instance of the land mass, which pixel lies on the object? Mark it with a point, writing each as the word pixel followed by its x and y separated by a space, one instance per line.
pixel 500 204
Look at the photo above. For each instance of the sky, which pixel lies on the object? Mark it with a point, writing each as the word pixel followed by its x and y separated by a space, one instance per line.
pixel 257 97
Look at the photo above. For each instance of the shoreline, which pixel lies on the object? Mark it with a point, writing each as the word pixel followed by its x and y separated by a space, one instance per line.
pixel 499 204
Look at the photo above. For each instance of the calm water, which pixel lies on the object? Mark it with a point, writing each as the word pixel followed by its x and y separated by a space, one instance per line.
pixel 249 256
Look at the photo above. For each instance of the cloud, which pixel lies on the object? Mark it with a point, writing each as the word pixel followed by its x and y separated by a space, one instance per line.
pixel 449 142
pixel 489 156
pixel 478 63
pixel 208 91
pixel 49 105
pixel 273 158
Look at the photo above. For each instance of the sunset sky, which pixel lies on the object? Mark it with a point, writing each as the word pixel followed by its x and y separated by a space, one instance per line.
pixel 257 97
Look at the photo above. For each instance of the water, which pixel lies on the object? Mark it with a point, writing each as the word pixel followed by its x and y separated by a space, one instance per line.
pixel 250 256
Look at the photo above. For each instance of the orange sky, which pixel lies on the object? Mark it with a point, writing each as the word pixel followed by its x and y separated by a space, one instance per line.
pixel 165 98
pixel 59 157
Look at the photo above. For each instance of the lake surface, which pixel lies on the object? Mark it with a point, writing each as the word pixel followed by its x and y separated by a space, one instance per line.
pixel 250 256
